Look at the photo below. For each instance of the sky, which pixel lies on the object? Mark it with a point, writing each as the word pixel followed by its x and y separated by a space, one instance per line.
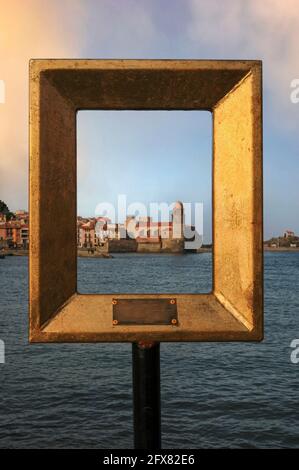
pixel 173 29
pixel 148 156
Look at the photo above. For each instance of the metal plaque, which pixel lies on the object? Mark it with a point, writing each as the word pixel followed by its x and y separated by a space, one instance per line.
pixel 145 312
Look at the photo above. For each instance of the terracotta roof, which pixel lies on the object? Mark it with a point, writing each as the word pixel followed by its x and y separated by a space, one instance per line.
pixel 89 225
pixel 178 205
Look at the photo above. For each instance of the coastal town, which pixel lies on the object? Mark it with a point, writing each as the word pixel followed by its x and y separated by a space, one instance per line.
pixel 138 234
pixel 287 241
pixel 99 236
pixel 14 229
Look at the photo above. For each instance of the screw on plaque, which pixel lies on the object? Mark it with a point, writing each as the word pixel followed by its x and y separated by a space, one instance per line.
pixel 114 322
pixel 172 301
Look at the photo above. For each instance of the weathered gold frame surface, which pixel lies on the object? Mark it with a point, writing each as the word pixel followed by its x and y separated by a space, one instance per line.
pixel 232 91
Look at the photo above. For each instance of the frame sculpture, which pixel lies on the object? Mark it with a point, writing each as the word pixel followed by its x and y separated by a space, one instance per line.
pixel 232 91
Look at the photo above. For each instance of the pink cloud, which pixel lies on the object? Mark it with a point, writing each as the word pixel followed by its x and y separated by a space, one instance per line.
pixel 254 29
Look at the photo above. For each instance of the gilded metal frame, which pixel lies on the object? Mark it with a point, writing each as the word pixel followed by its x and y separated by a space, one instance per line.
pixel 232 91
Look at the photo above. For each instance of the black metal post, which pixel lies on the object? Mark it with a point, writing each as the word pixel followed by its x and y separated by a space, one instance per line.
pixel 146 395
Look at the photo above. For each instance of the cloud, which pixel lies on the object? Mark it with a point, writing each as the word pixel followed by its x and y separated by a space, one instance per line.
pixel 121 29
pixel 56 29
pixel 139 28
pixel 254 29
pixel 28 29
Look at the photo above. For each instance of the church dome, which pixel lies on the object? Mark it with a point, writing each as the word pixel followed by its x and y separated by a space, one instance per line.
pixel 178 206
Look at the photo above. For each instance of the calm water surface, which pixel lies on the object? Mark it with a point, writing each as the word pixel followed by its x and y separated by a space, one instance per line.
pixel 213 395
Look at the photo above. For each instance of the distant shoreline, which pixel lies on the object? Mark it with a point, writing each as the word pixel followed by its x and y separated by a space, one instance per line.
pixel 84 254
pixel 280 248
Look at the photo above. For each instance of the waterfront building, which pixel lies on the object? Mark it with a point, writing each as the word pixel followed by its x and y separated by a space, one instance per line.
pixel 289 234
pixel 86 233
pixel 14 234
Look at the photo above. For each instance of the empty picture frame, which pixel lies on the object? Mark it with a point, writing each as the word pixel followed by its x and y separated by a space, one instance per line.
pixel 232 91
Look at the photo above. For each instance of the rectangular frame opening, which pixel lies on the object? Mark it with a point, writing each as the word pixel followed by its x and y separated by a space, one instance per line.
pixel 132 169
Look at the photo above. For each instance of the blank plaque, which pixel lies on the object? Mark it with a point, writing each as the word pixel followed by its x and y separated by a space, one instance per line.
pixel 144 311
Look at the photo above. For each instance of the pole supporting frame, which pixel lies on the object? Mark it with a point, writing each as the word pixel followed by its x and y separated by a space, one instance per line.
pixel 146 395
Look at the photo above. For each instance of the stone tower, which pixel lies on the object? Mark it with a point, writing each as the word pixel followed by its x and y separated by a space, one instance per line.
pixel 178 221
